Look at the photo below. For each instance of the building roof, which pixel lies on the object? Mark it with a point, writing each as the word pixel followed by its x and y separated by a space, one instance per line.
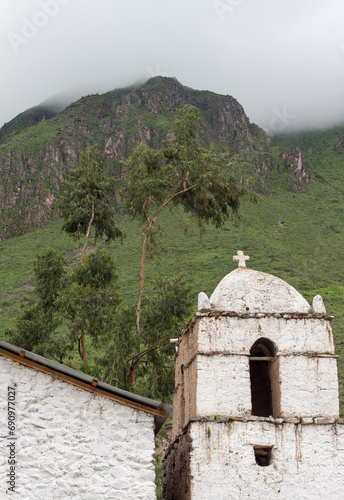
pixel 248 291
pixel 160 410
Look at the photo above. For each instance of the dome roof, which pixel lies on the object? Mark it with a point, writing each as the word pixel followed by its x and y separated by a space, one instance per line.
pixel 248 291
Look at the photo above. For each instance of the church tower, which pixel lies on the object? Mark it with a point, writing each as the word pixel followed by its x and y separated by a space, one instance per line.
pixel 256 407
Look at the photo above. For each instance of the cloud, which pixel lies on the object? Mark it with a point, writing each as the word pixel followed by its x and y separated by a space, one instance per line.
pixel 283 61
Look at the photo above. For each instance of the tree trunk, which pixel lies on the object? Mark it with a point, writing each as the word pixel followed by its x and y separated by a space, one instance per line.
pixel 82 349
pixel 150 226
pixel 139 298
pixel 132 375
pixel 87 234
pixel 82 334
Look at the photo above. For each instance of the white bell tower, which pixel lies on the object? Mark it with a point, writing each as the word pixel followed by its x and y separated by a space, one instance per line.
pixel 256 407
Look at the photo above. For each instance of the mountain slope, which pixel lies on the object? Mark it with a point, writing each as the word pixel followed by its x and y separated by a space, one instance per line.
pixel 36 153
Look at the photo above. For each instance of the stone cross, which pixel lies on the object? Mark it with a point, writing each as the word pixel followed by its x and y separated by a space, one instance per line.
pixel 241 258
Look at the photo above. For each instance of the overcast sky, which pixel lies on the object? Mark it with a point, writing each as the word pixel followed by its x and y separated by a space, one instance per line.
pixel 283 60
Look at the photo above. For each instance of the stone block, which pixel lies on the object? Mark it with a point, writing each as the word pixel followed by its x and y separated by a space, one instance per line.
pixel 324 420
pixel 307 420
pixel 222 419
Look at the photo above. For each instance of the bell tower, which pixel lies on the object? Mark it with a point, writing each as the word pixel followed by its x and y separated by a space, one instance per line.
pixel 256 405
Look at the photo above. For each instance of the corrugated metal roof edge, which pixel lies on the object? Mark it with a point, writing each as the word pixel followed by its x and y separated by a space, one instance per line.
pixel 82 377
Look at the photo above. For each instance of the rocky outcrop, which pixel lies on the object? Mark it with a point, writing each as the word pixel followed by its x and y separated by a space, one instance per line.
pixel 299 174
pixel 40 149
pixel 340 145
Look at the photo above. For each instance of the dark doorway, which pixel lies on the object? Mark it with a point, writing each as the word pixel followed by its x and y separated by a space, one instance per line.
pixel 261 355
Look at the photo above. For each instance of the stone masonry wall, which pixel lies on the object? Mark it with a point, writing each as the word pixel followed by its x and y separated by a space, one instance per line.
pixel 177 469
pixel 184 400
pixel 309 386
pixel 307 460
pixel 212 366
pixel 223 385
pixel 71 443
pixel 291 334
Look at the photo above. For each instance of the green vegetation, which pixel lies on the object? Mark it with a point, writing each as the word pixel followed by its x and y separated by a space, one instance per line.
pixel 25 120
pixel 303 252
pixel 36 327
pixel 84 201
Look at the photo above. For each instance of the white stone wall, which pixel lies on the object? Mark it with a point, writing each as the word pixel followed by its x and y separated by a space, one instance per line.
pixel 71 443
pixel 223 386
pixel 292 336
pixel 309 386
pixel 307 375
pixel 307 461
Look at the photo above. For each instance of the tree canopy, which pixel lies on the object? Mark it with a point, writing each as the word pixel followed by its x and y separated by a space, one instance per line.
pixel 36 327
pixel 84 201
pixel 184 173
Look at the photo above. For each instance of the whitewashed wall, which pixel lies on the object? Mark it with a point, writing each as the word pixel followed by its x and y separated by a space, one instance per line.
pixel 293 336
pixel 223 385
pixel 307 372
pixel 309 386
pixel 72 443
pixel 307 464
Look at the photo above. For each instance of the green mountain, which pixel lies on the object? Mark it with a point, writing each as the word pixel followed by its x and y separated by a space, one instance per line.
pixel 295 231
pixel 39 147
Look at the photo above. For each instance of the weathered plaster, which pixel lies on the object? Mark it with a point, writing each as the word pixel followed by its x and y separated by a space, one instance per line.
pixel 309 386
pixel 245 290
pixel 223 385
pixel 307 461
pixel 213 375
pixel 72 443
pixel 292 336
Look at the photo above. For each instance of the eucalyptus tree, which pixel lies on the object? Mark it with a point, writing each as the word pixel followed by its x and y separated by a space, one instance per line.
pixel 164 312
pixel 35 328
pixel 183 173
pixel 85 205
pixel 91 299
pixel 84 201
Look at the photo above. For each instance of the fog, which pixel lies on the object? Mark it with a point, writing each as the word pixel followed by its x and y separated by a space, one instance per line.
pixel 282 60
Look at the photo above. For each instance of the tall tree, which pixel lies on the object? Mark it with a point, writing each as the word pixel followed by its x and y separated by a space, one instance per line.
pixel 181 174
pixel 164 313
pixel 36 326
pixel 91 299
pixel 84 204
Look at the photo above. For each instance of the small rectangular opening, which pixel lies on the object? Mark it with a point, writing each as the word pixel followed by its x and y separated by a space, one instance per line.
pixel 263 455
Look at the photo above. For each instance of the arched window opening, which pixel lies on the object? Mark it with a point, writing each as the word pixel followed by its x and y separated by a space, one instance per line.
pixel 264 379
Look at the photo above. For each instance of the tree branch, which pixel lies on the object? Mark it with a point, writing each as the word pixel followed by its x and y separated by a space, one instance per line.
pixel 171 198
pixel 145 213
